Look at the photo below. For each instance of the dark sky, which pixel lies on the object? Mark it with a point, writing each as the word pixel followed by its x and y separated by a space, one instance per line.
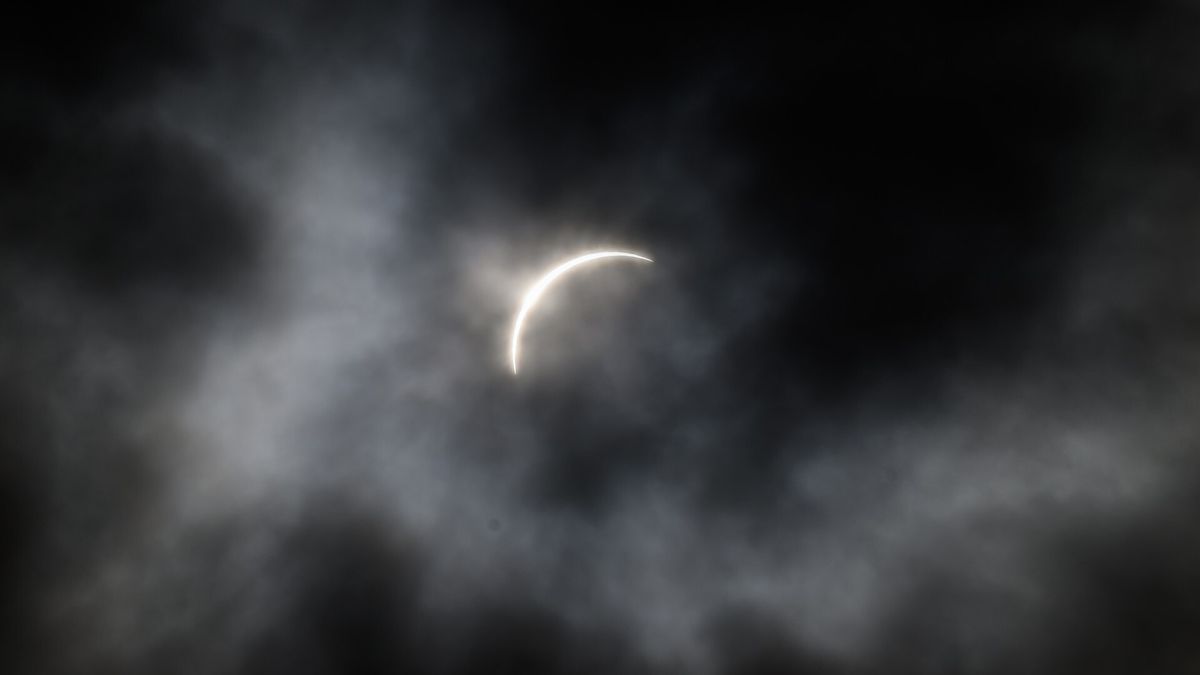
pixel 913 385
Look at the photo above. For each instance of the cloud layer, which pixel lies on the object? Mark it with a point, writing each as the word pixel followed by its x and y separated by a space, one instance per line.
pixel 909 387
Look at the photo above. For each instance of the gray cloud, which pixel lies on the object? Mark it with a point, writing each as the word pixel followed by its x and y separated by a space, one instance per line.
pixel 255 326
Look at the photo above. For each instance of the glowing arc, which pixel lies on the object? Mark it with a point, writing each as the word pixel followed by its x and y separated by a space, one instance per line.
pixel 536 291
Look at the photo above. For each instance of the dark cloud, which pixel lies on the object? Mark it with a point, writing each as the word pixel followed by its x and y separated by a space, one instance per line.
pixel 908 388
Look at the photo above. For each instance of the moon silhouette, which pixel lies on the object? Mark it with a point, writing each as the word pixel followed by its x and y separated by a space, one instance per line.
pixel 536 291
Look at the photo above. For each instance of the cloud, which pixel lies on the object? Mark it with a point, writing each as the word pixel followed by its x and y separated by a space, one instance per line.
pixel 907 389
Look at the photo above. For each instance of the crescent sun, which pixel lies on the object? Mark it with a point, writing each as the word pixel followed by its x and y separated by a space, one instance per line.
pixel 536 291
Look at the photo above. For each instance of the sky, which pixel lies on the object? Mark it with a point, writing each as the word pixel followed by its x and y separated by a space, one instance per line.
pixel 909 388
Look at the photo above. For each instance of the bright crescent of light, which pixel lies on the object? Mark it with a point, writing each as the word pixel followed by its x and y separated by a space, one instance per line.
pixel 535 292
